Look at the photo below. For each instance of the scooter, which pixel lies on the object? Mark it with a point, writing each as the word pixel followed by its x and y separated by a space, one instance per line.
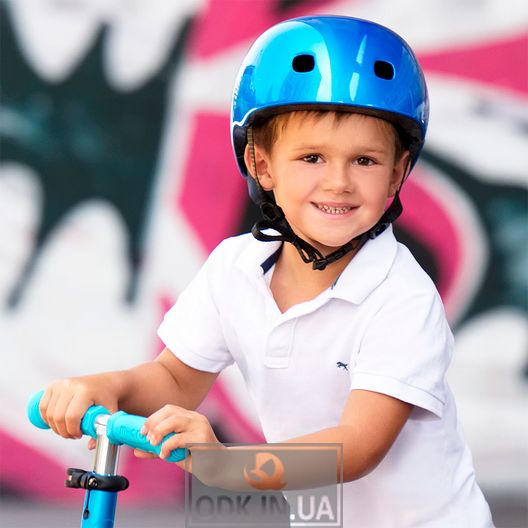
pixel 102 484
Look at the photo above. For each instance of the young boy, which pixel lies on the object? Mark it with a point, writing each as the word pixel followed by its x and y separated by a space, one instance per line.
pixel 339 334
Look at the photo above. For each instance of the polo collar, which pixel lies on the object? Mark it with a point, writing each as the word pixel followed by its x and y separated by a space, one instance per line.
pixel 257 257
pixel 364 273
pixel 367 270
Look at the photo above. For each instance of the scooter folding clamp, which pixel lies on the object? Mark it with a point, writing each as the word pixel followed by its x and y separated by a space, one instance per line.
pixel 78 478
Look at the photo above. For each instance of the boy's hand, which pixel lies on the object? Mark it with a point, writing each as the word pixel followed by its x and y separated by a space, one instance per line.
pixel 191 427
pixel 64 402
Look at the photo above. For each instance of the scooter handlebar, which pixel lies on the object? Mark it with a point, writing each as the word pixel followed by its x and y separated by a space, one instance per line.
pixel 121 428
pixel 33 411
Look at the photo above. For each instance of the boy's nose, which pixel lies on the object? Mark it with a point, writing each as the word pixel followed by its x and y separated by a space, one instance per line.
pixel 338 179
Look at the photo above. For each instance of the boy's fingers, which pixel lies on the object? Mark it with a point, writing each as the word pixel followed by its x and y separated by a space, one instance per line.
pixel 172 424
pixel 59 413
pixel 64 414
pixel 73 416
pixel 91 443
pixel 177 441
pixel 43 405
pixel 186 441
pixel 50 413
pixel 70 411
pixel 174 442
pixel 167 420
pixel 168 410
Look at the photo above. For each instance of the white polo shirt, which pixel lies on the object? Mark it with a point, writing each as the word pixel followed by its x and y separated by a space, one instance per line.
pixel 380 327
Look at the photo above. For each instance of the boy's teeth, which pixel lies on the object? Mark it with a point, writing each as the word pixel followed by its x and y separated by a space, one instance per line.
pixel 334 210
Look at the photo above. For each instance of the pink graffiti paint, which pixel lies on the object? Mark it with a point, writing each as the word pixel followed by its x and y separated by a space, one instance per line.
pixel 428 222
pixel 213 195
pixel 29 471
pixel 225 23
pixel 501 63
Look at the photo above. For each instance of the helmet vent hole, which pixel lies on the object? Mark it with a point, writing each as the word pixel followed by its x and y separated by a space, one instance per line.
pixel 303 63
pixel 384 70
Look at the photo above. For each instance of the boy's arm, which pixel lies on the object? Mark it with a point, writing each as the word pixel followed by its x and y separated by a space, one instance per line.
pixel 369 425
pixel 140 390
pixel 166 380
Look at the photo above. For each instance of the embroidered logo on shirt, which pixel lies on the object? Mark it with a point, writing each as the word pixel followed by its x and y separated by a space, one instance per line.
pixel 342 365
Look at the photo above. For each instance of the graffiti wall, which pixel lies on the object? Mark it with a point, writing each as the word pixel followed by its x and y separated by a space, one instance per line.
pixel 117 180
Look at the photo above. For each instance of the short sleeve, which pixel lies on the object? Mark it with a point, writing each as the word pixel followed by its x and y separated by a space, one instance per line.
pixel 192 328
pixel 406 350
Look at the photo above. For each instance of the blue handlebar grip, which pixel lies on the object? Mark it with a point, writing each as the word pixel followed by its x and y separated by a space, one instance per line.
pixel 87 423
pixel 33 411
pixel 123 428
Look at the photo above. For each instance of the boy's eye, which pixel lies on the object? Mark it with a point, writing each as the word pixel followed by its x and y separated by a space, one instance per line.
pixel 312 158
pixel 364 161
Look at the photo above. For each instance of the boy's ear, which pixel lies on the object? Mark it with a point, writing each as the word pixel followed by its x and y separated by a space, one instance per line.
pixel 262 166
pixel 399 173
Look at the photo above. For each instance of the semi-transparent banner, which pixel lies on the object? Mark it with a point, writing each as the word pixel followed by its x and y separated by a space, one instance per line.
pixel 264 486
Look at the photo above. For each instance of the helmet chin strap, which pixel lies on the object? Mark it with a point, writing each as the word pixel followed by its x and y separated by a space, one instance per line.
pixel 274 218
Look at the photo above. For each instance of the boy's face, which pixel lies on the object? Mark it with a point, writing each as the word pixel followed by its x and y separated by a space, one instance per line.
pixel 332 178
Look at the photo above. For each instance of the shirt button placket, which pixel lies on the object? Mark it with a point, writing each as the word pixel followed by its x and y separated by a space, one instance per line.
pixel 279 345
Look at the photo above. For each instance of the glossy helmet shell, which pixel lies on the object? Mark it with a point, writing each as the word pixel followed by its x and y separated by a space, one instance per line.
pixel 335 63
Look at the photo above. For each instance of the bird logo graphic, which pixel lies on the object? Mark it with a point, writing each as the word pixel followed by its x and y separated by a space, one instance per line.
pixel 267 473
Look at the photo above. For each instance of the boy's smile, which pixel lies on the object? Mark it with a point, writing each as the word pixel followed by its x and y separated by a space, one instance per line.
pixel 335 208
pixel 331 177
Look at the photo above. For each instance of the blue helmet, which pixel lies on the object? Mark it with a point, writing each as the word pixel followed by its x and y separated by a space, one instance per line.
pixel 334 63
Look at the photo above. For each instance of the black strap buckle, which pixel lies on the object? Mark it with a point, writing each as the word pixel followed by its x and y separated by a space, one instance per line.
pixel 271 211
pixel 377 230
pixel 320 264
pixel 78 478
